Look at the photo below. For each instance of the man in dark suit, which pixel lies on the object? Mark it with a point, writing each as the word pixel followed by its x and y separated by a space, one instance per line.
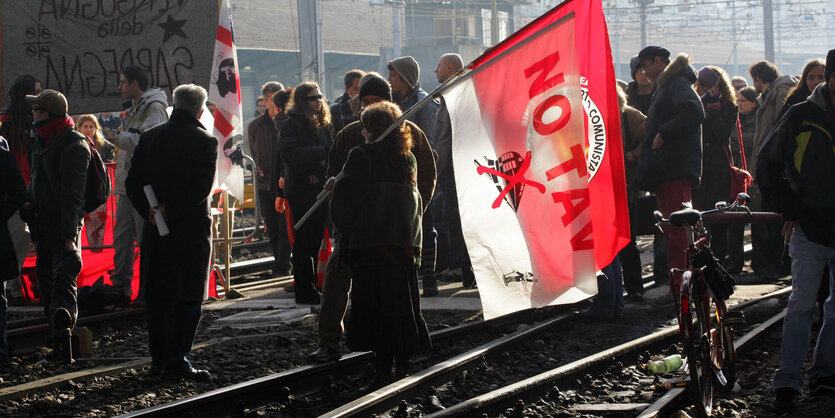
pixel 177 159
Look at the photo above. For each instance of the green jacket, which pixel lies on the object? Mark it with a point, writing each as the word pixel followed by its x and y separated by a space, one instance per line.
pixel 377 207
pixel 57 188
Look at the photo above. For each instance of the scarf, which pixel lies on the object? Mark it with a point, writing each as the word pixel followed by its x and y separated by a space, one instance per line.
pixel 50 129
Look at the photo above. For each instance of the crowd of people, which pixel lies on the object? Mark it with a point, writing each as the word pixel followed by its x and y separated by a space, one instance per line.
pixel 689 137
pixel 696 138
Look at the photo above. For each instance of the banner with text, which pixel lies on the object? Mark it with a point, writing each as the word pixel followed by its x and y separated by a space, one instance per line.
pixel 539 163
pixel 78 47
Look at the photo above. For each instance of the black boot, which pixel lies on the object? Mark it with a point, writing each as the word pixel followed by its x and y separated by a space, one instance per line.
pixel 401 366
pixel 382 373
pixel 61 325
pixel 430 285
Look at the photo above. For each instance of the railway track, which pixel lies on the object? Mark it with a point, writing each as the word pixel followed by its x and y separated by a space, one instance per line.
pixel 283 388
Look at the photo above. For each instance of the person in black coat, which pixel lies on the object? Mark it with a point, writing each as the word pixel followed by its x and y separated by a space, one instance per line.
pixel 721 113
pixel 671 152
pixel 12 196
pixel 303 144
pixel 177 158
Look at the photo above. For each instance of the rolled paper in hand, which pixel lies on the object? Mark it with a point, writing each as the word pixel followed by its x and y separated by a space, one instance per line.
pixel 162 227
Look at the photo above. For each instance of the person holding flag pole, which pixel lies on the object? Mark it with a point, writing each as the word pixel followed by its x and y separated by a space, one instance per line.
pixel 544 206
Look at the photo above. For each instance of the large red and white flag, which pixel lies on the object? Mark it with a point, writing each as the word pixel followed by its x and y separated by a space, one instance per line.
pixel 539 163
pixel 225 92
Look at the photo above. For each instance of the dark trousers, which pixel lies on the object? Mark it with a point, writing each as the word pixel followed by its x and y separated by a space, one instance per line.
pixel 276 230
pixel 458 255
pixel 719 240
pixel 769 254
pixel 4 307
pixel 430 240
pixel 630 259
pixel 736 250
pixel 57 271
pixel 306 245
pixel 172 326
pixel 659 259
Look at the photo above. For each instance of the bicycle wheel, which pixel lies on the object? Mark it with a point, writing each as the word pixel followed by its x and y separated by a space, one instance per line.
pixel 696 337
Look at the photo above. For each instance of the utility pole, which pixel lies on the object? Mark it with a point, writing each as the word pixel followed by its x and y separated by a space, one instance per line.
pixel 494 23
pixel 735 38
pixel 395 24
pixel 320 46
pixel 642 10
pixel 768 30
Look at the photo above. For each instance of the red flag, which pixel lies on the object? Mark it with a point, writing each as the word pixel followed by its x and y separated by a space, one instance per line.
pixel 538 115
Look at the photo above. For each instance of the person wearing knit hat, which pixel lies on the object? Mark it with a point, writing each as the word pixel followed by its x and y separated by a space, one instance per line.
pixel 373 88
pixel 372 84
pixel 639 91
pixel 633 67
pixel 408 71
pixel 404 73
pixel 794 172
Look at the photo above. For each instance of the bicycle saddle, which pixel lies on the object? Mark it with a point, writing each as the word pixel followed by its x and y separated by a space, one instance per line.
pixel 685 216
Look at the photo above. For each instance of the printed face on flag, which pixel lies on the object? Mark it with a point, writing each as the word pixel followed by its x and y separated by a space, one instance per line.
pixel 225 93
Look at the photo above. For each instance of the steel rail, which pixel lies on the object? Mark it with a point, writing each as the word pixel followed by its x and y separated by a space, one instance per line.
pixel 674 397
pixel 308 379
pixel 390 395
pixel 30 333
pixel 498 400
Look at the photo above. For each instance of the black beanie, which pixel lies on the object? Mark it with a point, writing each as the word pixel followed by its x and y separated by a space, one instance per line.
pixel 375 86
pixel 830 65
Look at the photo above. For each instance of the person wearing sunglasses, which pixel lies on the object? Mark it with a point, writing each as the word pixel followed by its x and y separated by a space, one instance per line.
pixel 303 145
pixel 337 283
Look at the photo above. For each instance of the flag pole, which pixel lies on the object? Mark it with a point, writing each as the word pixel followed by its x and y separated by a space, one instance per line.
pixel 325 194
pixel 514 40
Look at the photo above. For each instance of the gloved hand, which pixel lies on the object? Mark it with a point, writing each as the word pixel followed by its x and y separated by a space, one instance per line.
pixel 280 204
pixel 711 99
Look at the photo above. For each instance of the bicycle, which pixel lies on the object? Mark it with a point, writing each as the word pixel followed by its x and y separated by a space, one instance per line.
pixel 705 324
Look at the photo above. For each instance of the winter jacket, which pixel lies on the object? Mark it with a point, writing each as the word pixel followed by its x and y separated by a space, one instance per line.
pixel 716 174
pixel 423 118
pixel 263 143
pixel 351 136
pixel 26 141
pixel 443 137
pixel 796 167
pixel 304 151
pixel 748 123
pixel 58 182
pixel 341 113
pixel 377 207
pixel 638 101
pixel 633 123
pixel 178 160
pixel 771 101
pixel 676 113
pixel 147 112
pixel 12 195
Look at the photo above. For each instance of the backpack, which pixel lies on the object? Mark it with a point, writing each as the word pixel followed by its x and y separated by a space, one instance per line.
pixel 97 185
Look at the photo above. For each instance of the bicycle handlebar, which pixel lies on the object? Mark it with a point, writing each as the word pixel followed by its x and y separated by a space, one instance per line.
pixel 741 217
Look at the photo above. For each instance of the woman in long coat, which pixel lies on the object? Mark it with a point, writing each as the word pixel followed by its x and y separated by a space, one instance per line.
pixel 376 204
pixel 721 112
pixel 303 145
